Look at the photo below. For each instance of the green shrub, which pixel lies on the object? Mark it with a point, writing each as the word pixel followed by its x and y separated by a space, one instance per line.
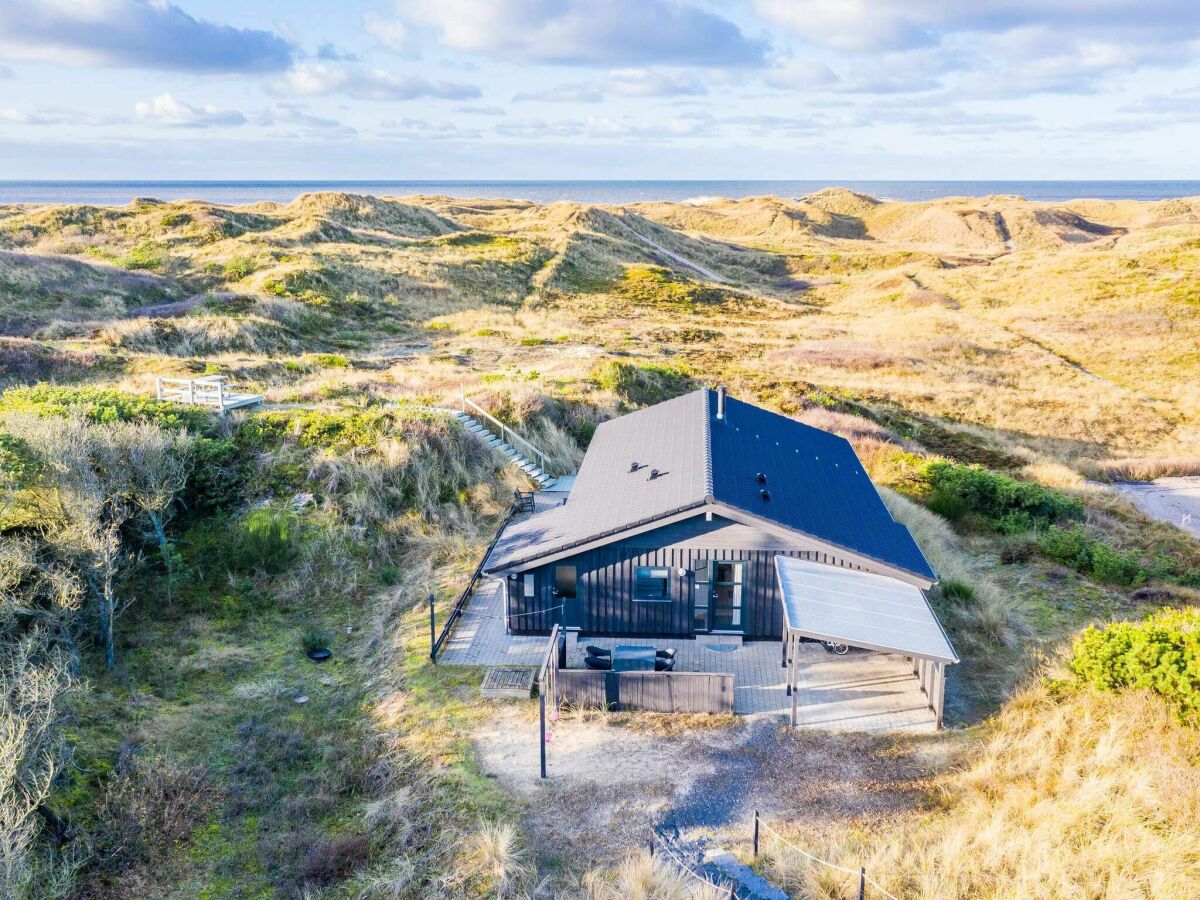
pixel 958 592
pixel 341 429
pixel 1075 548
pixel 315 638
pixel 218 473
pixel 330 360
pixel 389 575
pixel 267 540
pixel 102 405
pixel 19 467
pixel 643 384
pixel 143 256
pixel 238 267
pixel 1069 546
pixel 1005 504
pixel 1113 567
pixel 1160 653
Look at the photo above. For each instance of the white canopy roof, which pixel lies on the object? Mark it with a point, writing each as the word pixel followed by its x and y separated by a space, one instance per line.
pixel 859 608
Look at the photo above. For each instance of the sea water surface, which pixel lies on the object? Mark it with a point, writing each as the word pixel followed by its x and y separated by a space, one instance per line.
pixel 118 193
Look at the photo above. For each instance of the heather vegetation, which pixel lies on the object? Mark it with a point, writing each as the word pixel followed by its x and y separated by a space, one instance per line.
pixel 164 573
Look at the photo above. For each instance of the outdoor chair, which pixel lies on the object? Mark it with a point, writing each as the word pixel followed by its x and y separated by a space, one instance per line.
pixel 599 664
pixel 669 653
pixel 598 651
pixel 663 665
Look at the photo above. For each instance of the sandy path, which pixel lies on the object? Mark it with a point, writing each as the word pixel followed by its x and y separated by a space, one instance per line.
pixel 1173 500
pixel 612 782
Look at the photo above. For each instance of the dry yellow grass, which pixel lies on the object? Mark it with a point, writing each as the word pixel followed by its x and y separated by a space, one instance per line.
pixel 1092 795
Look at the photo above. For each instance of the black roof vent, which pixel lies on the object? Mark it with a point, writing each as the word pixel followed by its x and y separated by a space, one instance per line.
pixel 765 494
pixel 762 479
pixel 654 473
pixel 633 466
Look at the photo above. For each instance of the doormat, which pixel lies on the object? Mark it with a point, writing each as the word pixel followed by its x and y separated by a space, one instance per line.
pixel 508 681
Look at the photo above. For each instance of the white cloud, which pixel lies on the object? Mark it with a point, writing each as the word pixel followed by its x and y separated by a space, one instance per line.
pixel 59 116
pixel 480 110
pixel 144 34
pixel 409 129
pixel 165 109
pixel 616 32
pixel 294 117
pixel 990 47
pixel 363 83
pixel 578 92
pixel 390 32
pixel 654 83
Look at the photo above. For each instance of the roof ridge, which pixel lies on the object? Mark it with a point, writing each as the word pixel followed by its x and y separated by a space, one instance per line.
pixel 709 492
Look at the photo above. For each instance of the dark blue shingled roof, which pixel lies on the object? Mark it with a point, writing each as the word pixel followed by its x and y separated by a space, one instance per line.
pixel 816 484
pixel 814 478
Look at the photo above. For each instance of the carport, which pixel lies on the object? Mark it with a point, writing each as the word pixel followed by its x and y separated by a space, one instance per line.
pixel 865 610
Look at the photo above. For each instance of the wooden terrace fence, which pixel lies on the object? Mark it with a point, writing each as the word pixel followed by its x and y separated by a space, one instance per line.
pixel 457 610
pixel 666 692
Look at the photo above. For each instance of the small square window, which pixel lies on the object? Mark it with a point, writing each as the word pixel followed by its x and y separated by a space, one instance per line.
pixel 652 584
pixel 529 584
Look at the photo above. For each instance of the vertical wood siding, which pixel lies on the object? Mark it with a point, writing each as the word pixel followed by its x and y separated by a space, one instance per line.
pixel 606 578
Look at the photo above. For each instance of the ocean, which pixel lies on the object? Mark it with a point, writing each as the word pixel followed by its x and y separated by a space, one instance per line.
pixel 117 193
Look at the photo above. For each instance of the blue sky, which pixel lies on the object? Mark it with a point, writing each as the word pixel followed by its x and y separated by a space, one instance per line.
pixel 530 89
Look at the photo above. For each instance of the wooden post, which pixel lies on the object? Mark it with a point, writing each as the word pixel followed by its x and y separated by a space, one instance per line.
pixel 862 883
pixel 784 646
pixel 432 633
pixel 940 693
pixel 756 834
pixel 158 389
pixel 542 732
pixel 191 395
pixel 221 397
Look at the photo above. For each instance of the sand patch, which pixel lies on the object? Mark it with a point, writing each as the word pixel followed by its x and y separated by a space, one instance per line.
pixel 1172 500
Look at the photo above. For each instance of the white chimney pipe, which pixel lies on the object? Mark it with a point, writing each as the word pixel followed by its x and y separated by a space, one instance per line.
pixel 720 402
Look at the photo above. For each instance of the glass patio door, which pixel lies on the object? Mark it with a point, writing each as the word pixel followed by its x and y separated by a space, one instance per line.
pixel 717 599
pixel 727 597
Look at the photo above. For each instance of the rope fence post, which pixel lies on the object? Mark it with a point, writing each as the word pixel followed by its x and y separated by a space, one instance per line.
pixel 432 633
pixel 862 883
pixel 756 834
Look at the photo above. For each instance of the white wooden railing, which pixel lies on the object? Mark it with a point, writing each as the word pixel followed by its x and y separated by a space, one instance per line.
pixel 506 434
pixel 206 391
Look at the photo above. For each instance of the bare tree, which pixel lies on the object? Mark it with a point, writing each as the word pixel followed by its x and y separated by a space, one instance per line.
pixel 32 678
pixel 37 587
pixel 87 471
pixel 159 465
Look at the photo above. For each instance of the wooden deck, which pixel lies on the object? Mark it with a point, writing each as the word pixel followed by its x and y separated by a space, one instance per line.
pixel 859 692
pixel 207 391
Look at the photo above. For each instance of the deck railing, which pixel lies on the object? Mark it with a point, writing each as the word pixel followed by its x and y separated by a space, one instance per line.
pixel 207 391
pixel 460 604
pixel 505 434
pixel 547 683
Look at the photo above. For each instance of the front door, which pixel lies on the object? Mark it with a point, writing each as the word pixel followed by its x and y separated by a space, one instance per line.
pixel 717 599
pixel 566 592
pixel 727 596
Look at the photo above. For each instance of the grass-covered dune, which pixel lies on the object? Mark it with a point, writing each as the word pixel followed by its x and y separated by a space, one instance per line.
pixel 163 573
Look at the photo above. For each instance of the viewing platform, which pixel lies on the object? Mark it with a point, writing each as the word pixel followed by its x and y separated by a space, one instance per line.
pixel 210 390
